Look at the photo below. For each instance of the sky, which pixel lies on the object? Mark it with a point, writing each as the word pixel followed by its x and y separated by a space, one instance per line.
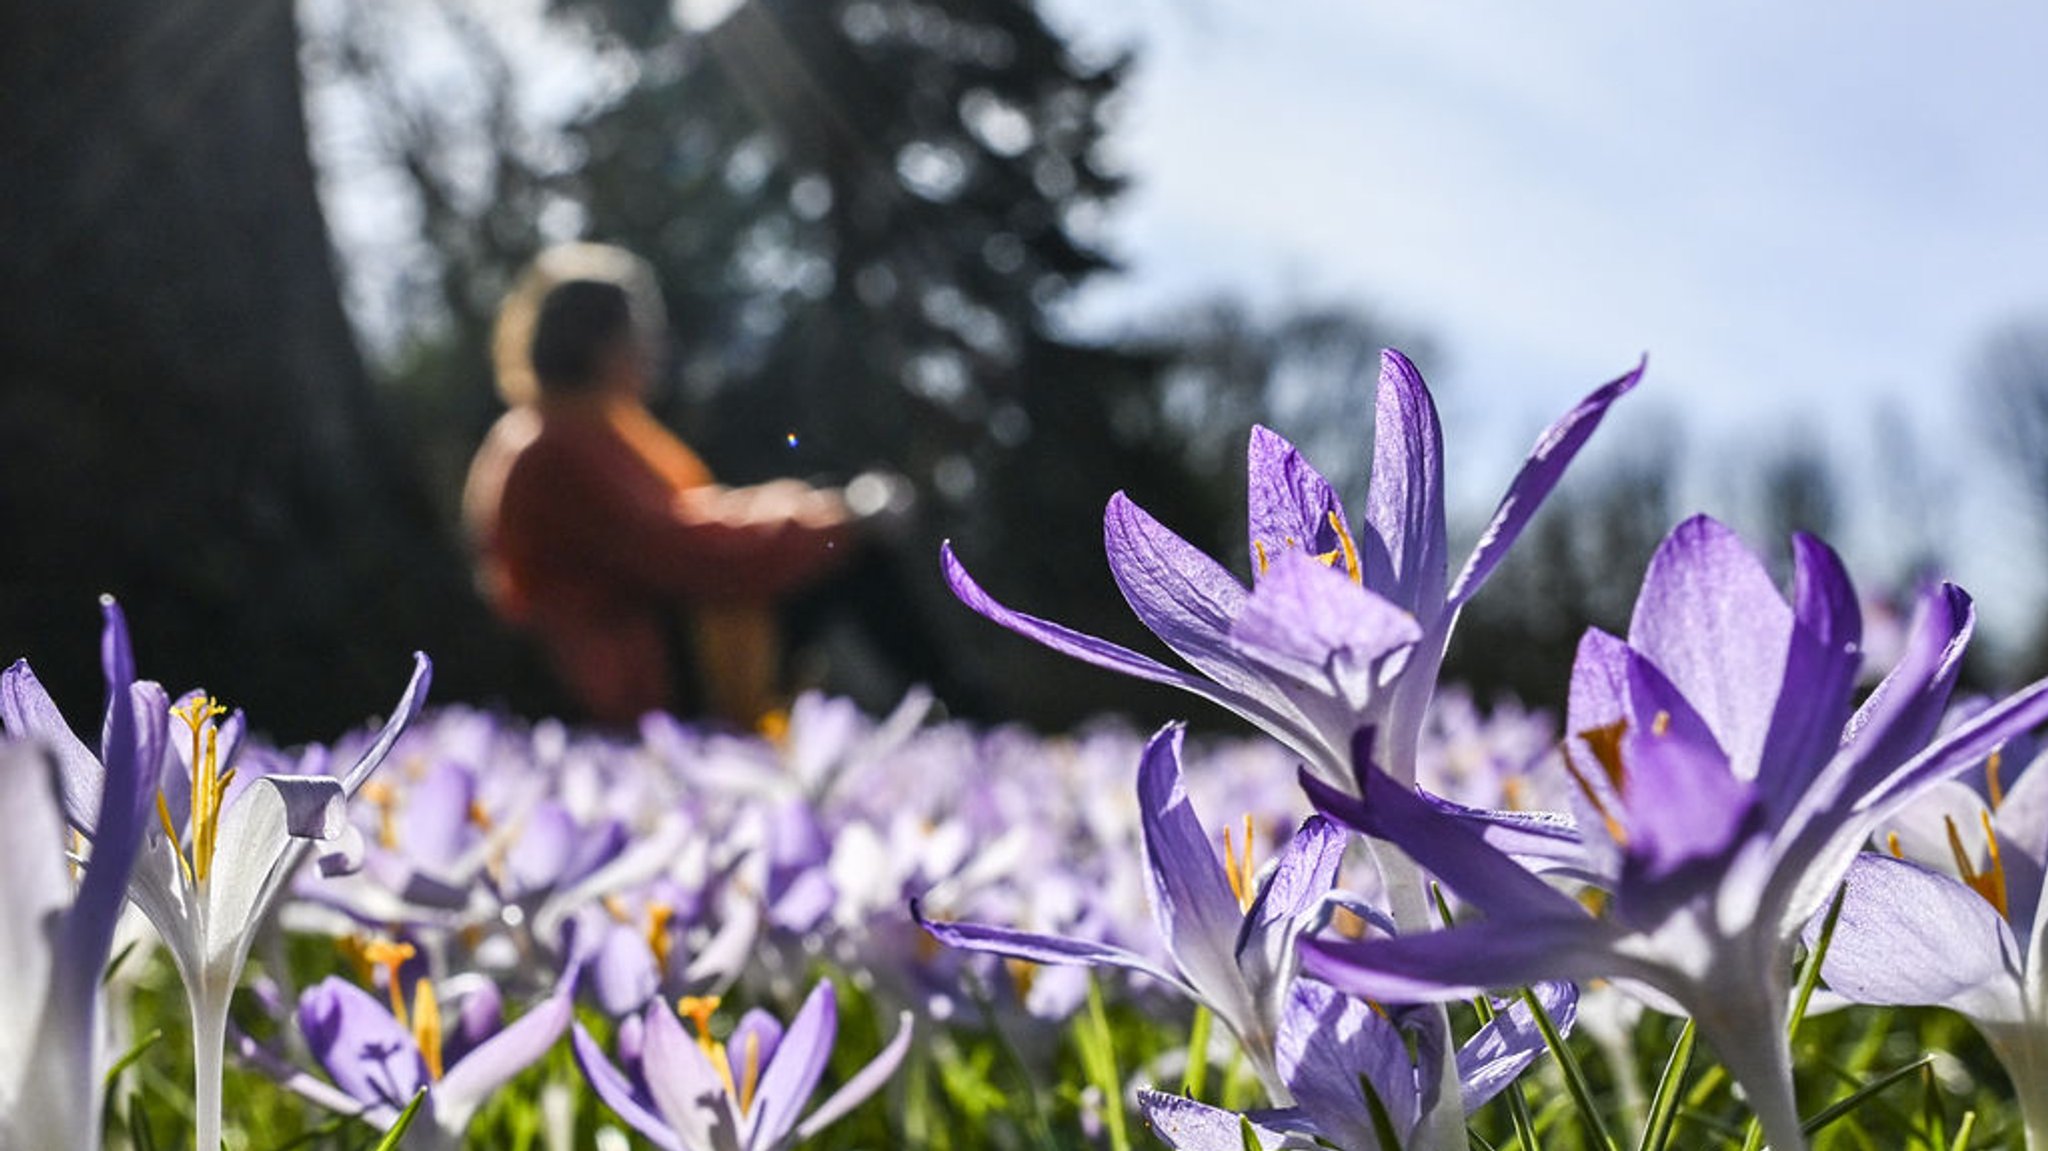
pixel 1800 213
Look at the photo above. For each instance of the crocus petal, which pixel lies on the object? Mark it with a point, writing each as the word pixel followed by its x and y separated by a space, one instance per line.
pixel 28 712
pixel 1310 624
pixel 1186 598
pixel 1546 842
pixel 758 1028
pixel 1546 463
pixel 1290 505
pixel 1821 667
pixel 1464 961
pixel 1198 917
pixel 623 974
pixel 862 1084
pixel 1906 707
pixel 1713 622
pixel 1328 1041
pixel 435 827
pixel 685 1086
pixel 504 1055
pixel 1067 641
pixel 409 704
pixel 1037 948
pixel 1687 816
pixel 1405 502
pixel 1187 1125
pixel 1910 937
pixel 131 740
pixel 1968 745
pixel 1504 1048
pixel 1448 848
pixel 361 1047
pixel 617 1092
pixel 1303 874
pixel 250 859
pixel 788 1080
pixel 37 889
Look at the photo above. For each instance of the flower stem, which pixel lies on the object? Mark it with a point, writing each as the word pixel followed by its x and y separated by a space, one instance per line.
pixel 209 1043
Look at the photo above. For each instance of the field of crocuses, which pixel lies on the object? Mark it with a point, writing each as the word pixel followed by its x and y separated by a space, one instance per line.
pixel 1749 891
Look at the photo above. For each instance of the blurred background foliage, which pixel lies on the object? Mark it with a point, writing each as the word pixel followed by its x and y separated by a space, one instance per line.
pixel 871 218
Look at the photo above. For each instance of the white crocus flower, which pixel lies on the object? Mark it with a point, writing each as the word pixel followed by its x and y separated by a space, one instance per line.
pixel 208 886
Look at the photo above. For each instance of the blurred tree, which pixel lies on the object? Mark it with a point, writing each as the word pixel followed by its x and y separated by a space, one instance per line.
pixel 2011 382
pixel 184 417
pixel 1794 491
pixel 1578 564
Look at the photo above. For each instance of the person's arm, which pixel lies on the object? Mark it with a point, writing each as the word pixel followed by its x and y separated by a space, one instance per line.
pixel 711 543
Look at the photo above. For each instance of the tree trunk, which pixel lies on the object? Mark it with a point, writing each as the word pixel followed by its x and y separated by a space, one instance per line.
pixel 184 417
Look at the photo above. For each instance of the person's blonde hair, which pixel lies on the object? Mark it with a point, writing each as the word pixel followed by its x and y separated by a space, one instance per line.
pixel 512 335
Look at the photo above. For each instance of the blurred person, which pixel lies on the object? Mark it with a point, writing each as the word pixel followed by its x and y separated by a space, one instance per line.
pixel 606 538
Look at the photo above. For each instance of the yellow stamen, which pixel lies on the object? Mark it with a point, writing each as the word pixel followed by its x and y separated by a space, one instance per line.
pixel 773 726
pixel 1347 923
pixel 384 798
pixel 1344 540
pixel 1259 549
pixel 478 816
pixel 1992 783
pixel 1605 744
pixel 1514 793
pixel 1023 973
pixel 658 917
pixel 1989 883
pixel 1891 843
pixel 1996 875
pixel 697 1009
pixel 1239 873
pixel 391 956
pixel 1661 724
pixel 209 786
pixel 750 1071
pixel 163 812
pixel 426 1026
pixel 616 907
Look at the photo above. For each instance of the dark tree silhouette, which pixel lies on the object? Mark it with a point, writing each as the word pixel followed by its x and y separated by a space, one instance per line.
pixel 183 415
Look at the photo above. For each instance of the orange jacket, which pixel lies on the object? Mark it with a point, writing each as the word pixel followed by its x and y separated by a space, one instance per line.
pixel 594 527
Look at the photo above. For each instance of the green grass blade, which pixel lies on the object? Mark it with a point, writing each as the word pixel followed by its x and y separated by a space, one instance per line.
pixel 405 1118
pixel 1964 1130
pixel 1809 976
pixel 1664 1101
pixel 1574 1075
pixel 1197 1076
pixel 1098 1059
pixel 1842 1107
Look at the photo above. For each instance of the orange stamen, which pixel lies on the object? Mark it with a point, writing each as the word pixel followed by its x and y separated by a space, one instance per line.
pixel 1240 873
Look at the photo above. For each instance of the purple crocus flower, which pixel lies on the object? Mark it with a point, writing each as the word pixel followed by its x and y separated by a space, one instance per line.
pixel 1230 939
pixel 1336 630
pixel 1332 1045
pixel 1726 785
pixel 54 933
pixel 1957 923
pixel 451 1043
pixel 694 1093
